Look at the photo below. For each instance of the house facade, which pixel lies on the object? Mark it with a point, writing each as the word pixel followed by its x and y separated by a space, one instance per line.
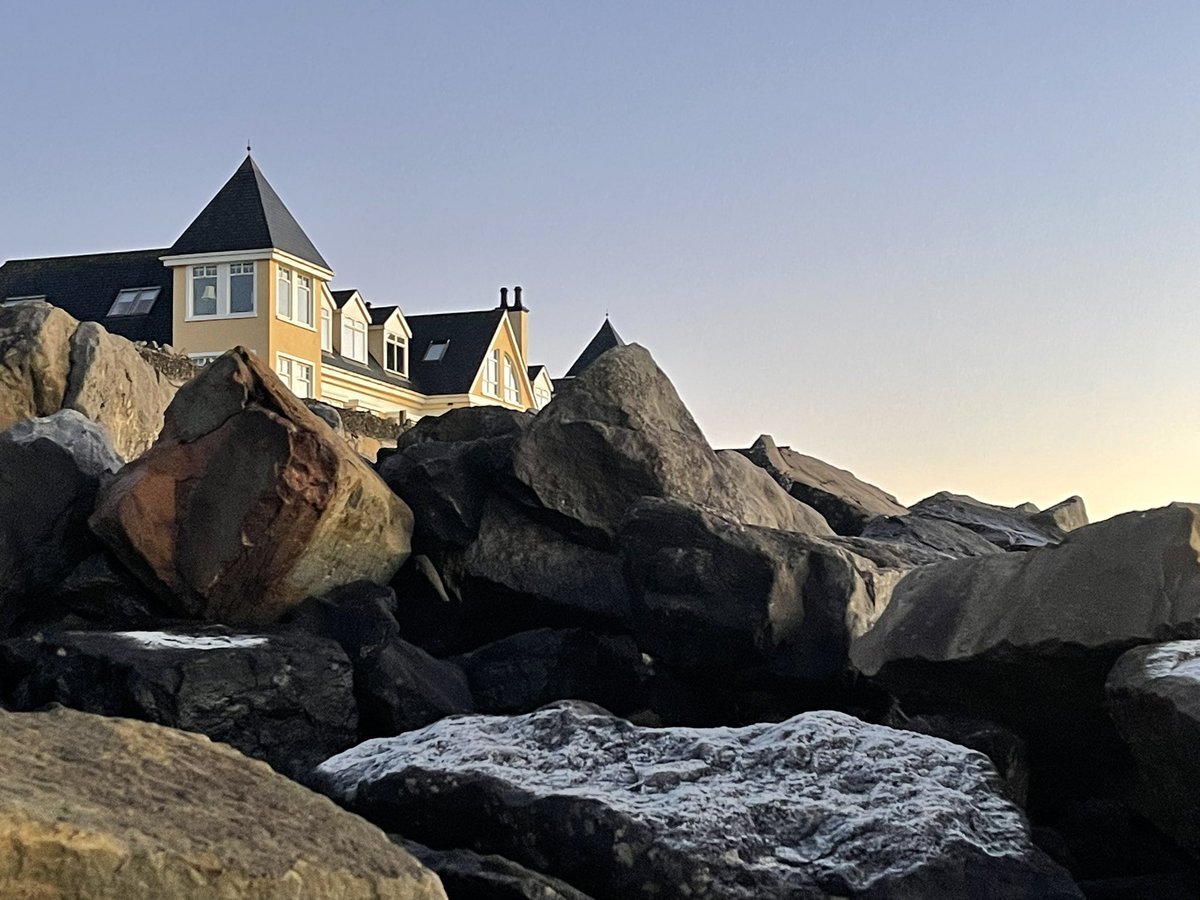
pixel 245 273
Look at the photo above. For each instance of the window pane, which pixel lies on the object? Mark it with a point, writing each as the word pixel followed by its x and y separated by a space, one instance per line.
pixel 326 329
pixel 284 291
pixel 204 291
pixel 241 292
pixel 304 299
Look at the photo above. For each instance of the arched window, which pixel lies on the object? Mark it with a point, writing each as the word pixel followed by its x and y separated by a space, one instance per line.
pixel 512 388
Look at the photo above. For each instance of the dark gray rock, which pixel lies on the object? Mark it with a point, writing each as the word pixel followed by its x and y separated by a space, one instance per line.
pixel 285 699
pixel 332 417
pixel 621 433
pixel 928 540
pixel 473 876
pixel 50 471
pixel 520 673
pixel 398 686
pixel 1154 697
pixel 713 595
pixel 819 806
pixel 846 502
pixel 1007 528
pixel 445 466
pixel 1027 639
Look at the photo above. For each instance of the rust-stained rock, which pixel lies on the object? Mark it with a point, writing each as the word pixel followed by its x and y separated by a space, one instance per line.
pixel 111 809
pixel 249 502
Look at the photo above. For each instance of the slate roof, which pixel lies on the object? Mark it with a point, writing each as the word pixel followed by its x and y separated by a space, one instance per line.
pixel 380 314
pixel 371 369
pixel 86 286
pixel 340 297
pixel 470 335
pixel 247 214
pixel 605 339
pixel 533 371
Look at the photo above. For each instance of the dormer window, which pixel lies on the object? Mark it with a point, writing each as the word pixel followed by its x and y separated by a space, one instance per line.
pixel 396 354
pixel 435 351
pixel 134 301
pixel 219 291
pixel 354 339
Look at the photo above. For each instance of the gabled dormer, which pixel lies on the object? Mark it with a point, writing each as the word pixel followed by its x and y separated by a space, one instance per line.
pixel 389 338
pixel 351 321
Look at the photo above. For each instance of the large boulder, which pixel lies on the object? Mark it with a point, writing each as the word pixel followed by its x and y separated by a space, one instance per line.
pixel 444 467
pixel 1064 516
pixel 49 361
pixel 248 502
pixel 847 502
pixel 928 540
pixel 284 699
pixel 1009 528
pixel 1027 639
pixel 622 433
pixel 113 809
pixel 398 686
pixel 50 470
pixel 819 806
pixel 1154 698
pixel 714 595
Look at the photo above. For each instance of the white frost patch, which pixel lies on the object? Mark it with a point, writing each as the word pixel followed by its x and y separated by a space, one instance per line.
pixel 1178 659
pixel 161 640
pixel 822 795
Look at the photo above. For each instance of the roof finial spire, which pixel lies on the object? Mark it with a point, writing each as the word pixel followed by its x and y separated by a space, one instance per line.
pixel 247 146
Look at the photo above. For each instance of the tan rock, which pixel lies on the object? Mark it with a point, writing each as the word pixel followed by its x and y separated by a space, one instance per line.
pixel 110 809
pixel 249 502
pixel 49 361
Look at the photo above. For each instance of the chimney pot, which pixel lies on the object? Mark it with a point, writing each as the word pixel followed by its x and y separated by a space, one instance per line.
pixel 504 298
pixel 517 298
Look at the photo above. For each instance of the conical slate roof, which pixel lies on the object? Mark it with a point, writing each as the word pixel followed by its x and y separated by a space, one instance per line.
pixel 247 214
pixel 606 338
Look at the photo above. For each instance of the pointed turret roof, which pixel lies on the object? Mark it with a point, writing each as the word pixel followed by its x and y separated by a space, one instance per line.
pixel 247 214
pixel 606 338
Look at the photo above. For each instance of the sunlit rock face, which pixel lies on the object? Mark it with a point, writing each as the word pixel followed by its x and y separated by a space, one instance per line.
pixel 249 502
pixel 819 806
pixel 112 808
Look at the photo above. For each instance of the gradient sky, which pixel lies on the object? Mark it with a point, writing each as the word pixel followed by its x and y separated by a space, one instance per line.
pixel 945 245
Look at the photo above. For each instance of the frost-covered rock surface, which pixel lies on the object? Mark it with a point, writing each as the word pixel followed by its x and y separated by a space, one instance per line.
pixel 821 805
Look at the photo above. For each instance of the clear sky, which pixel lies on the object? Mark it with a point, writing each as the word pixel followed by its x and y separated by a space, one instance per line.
pixel 945 245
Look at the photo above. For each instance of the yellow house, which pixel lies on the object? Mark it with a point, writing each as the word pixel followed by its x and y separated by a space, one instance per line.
pixel 244 272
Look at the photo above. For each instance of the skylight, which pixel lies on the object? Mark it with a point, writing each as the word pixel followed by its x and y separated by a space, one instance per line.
pixel 134 301
pixel 435 351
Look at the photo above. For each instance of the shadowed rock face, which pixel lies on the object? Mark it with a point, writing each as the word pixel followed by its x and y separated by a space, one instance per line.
pixel 1154 697
pixel 819 806
pixel 847 503
pixel 1009 528
pixel 122 810
pixel 248 502
pixel 472 876
pixel 1027 639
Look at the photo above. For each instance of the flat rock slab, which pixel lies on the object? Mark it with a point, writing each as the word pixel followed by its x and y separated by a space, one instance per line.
pixel 111 809
pixel 819 806
pixel 285 699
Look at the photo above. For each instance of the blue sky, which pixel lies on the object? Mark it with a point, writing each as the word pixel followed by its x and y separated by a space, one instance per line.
pixel 945 245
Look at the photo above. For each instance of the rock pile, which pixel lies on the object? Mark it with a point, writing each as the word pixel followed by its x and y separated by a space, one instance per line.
pixel 574 654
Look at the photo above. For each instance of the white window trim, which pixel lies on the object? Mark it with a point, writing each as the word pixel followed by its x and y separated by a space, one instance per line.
pixel 509 373
pixel 293 279
pixel 351 324
pixel 222 294
pixel 294 361
pixel 399 340
pixel 326 336
pixel 492 374
pixel 203 359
